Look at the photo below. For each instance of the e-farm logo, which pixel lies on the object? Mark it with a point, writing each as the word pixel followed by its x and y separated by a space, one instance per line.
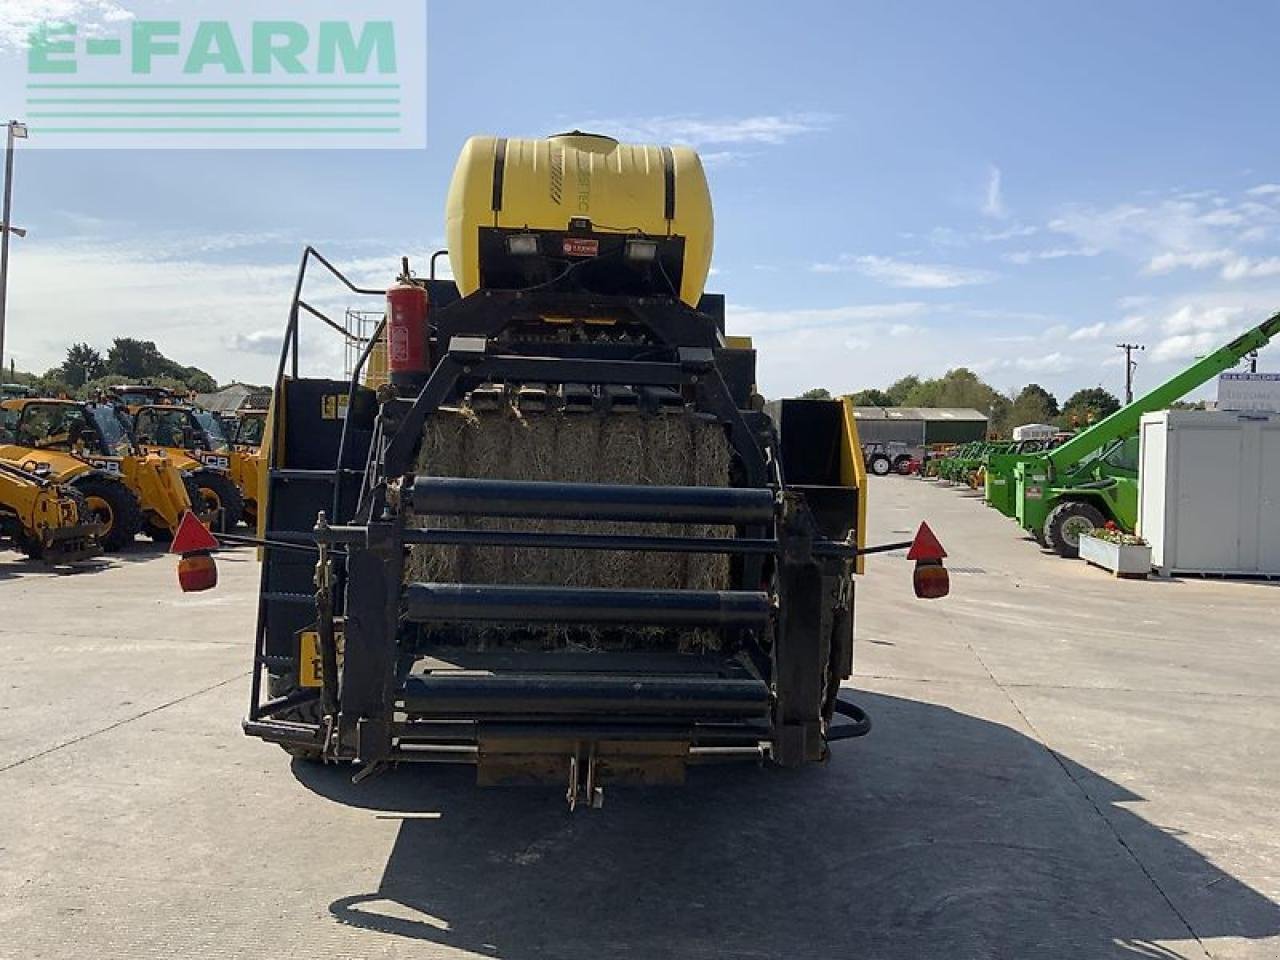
pixel 234 82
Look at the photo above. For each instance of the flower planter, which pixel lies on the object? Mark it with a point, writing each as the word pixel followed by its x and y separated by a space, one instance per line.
pixel 1121 559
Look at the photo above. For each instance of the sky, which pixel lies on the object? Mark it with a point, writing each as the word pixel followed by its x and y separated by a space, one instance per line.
pixel 899 188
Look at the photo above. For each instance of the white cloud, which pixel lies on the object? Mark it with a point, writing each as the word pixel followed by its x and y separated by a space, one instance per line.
pixel 1192 259
pixel 1234 266
pixel 1010 233
pixel 717 159
pixel 890 316
pixel 1191 318
pixel 993 204
pixel 266 342
pixel 1244 267
pixel 1092 332
pixel 222 314
pixel 1264 190
pixel 1053 253
pixel 1055 362
pixel 904 273
pixel 19 17
pixel 1186 231
pixel 1185 346
pixel 772 129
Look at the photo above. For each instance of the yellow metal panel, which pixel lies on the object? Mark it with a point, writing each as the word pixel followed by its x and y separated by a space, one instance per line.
pixel 853 473
pixel 735 342
pixel 310 664
pixel 375 369
pixel 545 183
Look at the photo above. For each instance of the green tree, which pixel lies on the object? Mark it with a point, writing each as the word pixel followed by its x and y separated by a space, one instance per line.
pixel 1088 406
pixel 1034 404
pixel 138 359
pixel 960 387
pixel 817 393
pixel 83 363
pixel 872 398
pixel 899 390
pixel 1048 399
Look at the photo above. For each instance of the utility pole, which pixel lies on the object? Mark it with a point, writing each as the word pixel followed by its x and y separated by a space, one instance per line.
pixel 1129 366
pixel 16 131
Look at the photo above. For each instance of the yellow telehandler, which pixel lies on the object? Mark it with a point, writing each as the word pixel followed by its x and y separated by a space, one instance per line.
pixel 192 439
pixel 44 520
pixel 87 446
pixel 246 459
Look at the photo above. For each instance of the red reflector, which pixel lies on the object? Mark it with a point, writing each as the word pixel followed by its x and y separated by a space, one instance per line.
pixel 931 580
pixel 197 572
pixel 192 536
pixel 925 546
pixel 579 247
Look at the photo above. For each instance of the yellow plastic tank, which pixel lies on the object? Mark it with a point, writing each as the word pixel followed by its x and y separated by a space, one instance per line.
pixel 543 184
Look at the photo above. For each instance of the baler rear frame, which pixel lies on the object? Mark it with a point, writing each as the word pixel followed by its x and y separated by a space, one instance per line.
pixel 790 719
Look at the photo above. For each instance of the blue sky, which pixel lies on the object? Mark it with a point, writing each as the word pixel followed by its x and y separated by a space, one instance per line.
pixel 899 188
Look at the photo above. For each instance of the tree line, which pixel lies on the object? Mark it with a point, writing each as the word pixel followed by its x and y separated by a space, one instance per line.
pixel 962 387
pixel 86 370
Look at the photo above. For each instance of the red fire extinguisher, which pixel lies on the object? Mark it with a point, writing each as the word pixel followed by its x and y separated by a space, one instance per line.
pixel 408 353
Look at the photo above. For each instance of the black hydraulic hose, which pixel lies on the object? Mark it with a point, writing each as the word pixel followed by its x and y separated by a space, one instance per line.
pixel 859 727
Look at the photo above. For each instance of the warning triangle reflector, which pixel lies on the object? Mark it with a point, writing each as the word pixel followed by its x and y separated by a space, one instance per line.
pixel 192 536
pixel 925 546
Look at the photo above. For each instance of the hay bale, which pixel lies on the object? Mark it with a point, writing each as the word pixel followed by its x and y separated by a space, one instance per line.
pixel 669 450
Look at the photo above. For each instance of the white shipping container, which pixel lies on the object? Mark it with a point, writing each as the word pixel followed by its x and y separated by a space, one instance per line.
pixel 1209 493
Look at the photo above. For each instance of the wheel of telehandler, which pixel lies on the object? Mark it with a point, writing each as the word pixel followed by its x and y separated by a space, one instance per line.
pixel 1067 523
pixel 219 494
pixel 113 505
pixel 880 465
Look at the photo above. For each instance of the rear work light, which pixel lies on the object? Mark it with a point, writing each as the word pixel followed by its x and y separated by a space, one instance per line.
pixel 194 544
pixel 642 251
pixel 523 245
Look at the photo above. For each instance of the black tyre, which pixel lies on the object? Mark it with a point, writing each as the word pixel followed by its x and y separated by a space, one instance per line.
pixel 1067 523
pixel 217 493
pixel 880 465
pixel 281 685
pixel 113 505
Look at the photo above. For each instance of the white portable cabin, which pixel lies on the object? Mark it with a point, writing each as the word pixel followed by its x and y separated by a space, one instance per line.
pixel 1209 494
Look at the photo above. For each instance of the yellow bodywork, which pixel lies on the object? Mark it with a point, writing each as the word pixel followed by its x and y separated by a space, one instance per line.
pixel 545 183
pixel 42 517
pixel 853 473
pixel 153 477
pixel 246 474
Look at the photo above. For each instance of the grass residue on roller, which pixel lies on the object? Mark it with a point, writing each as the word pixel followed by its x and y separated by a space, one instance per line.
pixel 669 449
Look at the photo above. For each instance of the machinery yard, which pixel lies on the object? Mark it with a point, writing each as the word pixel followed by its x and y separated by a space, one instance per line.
pixel 1062 764
pixel 746 487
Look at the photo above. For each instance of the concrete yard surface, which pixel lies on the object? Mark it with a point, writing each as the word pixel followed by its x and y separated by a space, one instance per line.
pixel 1063 765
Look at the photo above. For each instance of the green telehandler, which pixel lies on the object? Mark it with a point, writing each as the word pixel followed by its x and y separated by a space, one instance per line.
pixel 1093 477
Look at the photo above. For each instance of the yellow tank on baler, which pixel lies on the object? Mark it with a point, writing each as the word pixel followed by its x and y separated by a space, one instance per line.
pixel 544 184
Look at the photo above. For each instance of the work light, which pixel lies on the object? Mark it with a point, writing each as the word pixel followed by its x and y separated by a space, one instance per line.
pixel 642 251
pixel 523 245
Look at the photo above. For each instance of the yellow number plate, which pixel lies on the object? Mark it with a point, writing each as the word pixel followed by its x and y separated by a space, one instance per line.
pixel 310 664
